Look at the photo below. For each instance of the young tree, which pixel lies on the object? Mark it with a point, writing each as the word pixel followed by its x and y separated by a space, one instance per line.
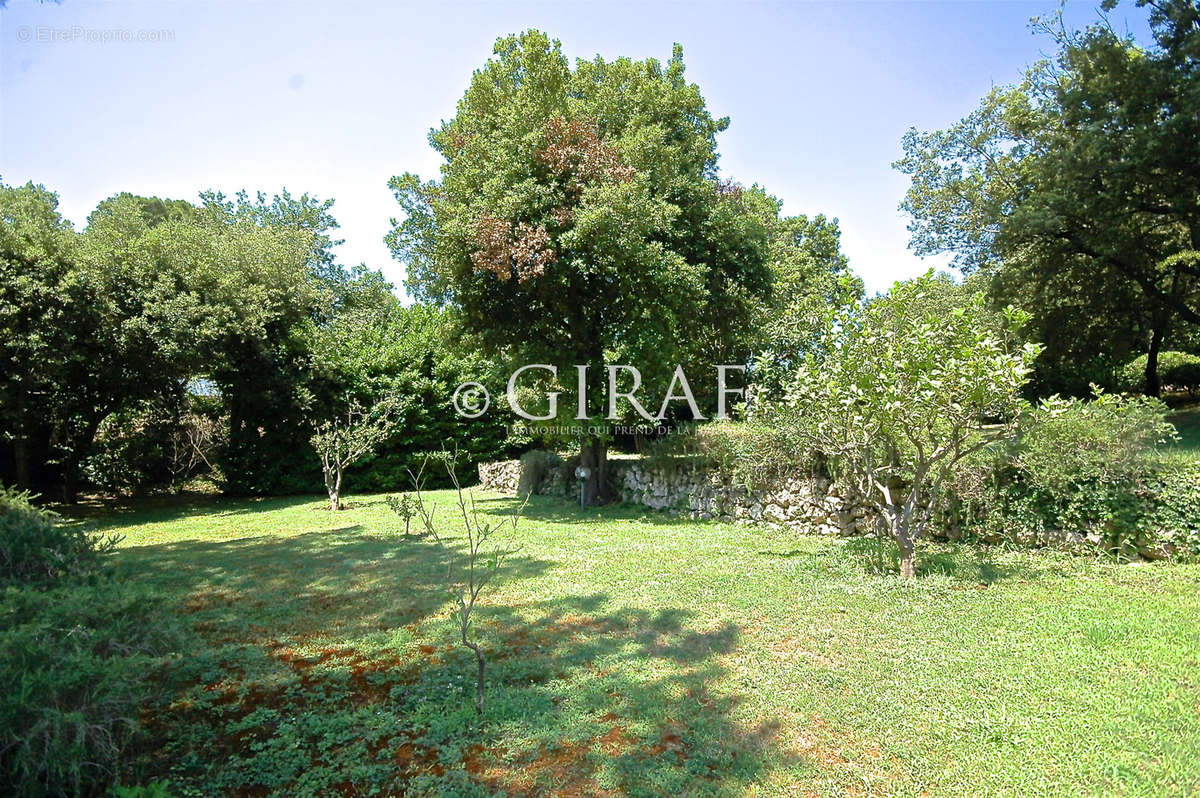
pixel 579 221
pixel 898 392
pixel 483 560
pixel 343 440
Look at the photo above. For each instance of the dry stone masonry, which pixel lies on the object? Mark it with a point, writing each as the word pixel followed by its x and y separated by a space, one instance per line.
pixel 685 488
pixel 810 504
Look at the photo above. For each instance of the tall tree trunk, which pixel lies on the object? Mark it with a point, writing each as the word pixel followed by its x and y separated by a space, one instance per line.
pixel 1153 388
pixel 594 456
pixel 70 486
pixel 21 444
pixel 71 464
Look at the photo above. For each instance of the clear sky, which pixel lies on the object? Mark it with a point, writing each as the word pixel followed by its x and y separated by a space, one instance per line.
pixel 169 98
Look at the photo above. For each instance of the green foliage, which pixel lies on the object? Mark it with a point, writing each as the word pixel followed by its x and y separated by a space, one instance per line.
pixel 1091 468
pixel 304 213
pixel 1073 191
pixel 417 353
pixel 579 219
pixel 1179 370
pixel 149 297
pixel 35 549
pixel 156 445
pixel 155 789
pixel 131 451
pixel 47 322
pixel 78 662
pixel 1111 438
pixel 1169 514
pixel 405 508
pixel 810 274
pixel 897 392
pixel 752 453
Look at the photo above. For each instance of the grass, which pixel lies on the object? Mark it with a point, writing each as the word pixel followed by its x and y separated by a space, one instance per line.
pixel 1187 424
pixel 637 654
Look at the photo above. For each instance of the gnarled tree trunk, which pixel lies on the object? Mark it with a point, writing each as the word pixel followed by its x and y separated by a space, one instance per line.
pixel 333 484
pixel 908 567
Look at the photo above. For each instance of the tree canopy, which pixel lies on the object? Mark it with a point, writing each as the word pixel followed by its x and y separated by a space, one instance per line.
pixel 1077 186
pixel 580 219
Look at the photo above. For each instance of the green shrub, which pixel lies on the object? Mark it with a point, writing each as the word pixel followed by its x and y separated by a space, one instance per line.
pixel 77 662
pixel 749 453
pixel 36 549
pixel 1184 376
pixel 1172 514
pixel 130 453
pixel 1089 467
pixel 1068 442
pixel 155 789
pixel 150 448
pixel 1178 370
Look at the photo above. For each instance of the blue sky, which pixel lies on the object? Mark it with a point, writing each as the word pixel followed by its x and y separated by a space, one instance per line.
pixel 334 98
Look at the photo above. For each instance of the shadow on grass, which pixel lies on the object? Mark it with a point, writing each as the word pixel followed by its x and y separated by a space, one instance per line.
pixel 109 511
pixel 967 562
pixel 335 582
pixel 316 668
pixel 561 509
pixel 616 703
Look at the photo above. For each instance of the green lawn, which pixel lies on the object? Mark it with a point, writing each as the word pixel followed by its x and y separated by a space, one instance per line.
pixel 1187 424
pixel 636 654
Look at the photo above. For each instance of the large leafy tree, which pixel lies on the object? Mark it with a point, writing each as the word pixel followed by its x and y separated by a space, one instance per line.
pixel 1079 182
pixel 150 295
pixel 88 327
pixel 303 214
pixel 45 312
pixel 811 276
pixel 229 301
pixel 579 220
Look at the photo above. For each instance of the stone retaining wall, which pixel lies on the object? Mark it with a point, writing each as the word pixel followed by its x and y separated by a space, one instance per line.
pixel 683 487
pixel 808 504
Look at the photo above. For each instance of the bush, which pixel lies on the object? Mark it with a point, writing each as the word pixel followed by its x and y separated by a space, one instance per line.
pixel 77 662
pixel 1178 370
pixel 1112 438
pixel 1087 467
pixel 752 454
pixel 36 549
pixel 1171 521
pixel 151 448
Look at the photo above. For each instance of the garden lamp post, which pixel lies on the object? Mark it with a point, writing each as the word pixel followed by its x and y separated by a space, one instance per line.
pixel 582 473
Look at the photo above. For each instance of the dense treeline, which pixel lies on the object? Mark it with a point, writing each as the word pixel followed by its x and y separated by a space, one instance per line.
pixel 169 339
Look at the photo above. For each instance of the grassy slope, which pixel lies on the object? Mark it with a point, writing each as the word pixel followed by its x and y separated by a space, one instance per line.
pixel 636 654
